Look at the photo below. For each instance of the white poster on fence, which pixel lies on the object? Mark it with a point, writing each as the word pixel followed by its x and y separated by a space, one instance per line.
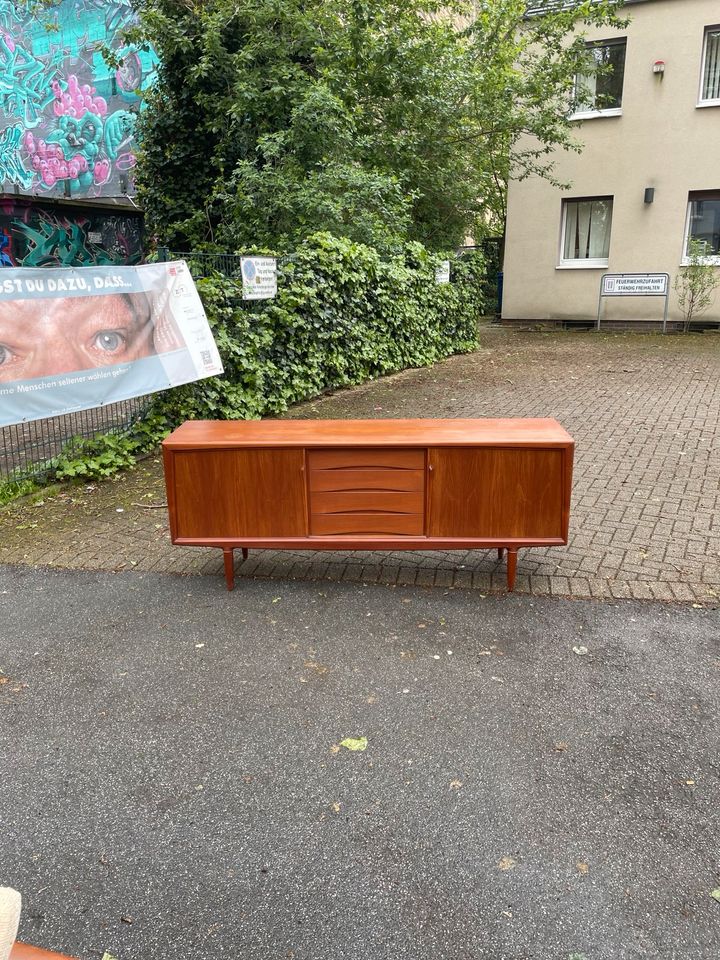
pixel 442 273
pixel 259 275
pixel 82 337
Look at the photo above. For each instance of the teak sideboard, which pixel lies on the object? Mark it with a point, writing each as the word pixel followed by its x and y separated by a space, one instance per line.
pixel 369 485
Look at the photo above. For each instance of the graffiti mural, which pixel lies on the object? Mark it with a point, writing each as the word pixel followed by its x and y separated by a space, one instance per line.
pixel 67 119
pixel 36 235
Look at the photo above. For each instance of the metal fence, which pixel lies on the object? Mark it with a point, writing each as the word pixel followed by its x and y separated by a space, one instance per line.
pixel 204 264
pixel 27 450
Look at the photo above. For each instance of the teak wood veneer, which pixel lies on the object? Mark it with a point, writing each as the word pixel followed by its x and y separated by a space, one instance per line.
pixel 369 485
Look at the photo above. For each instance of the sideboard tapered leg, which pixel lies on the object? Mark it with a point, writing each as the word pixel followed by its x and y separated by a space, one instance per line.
pixel 245 553
pixel 229 565
pixel 501 551
pixel 511 568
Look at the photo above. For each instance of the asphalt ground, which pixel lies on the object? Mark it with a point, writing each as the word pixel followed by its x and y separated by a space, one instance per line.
pixel 540 780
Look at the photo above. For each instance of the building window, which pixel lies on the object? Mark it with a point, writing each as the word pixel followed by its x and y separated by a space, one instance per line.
pixel 598 89
pixel 585 240
pixel 710 89
pixel 703 223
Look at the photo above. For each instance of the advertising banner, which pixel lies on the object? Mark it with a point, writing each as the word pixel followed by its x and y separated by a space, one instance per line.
pixel 82 337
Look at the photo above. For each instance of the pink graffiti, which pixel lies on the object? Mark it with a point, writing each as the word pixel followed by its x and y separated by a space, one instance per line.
pixel 48 160
pixel 42 150
pixel 77 100
pixel 126 161
pixel 102 171
pixel 10 43
pixel 53 169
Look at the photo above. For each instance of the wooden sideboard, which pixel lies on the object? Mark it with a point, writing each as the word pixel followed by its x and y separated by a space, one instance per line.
pixel 369 485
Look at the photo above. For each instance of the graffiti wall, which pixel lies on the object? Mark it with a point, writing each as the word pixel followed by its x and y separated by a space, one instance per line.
pixel 46 235
pixel 67 119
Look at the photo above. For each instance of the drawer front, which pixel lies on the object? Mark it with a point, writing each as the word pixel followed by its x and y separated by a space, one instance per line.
pixel 366 478
pixel 367 492
pixel 367 501
pixel 366 524
pixel 366 458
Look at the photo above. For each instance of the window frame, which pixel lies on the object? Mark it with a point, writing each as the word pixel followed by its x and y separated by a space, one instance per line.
pixel 600 111
pixel 714 259
pixel 704 102
pixel 585 263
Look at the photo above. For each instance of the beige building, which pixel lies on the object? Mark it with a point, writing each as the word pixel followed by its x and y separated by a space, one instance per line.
pixel 647 179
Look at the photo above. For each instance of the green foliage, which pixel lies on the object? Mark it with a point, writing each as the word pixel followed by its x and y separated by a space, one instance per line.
pixel 12 489
pixel 243 141
pixel 696 284
pixel 522 74
pixel 376 121
pixel 106 453
pixel 342 316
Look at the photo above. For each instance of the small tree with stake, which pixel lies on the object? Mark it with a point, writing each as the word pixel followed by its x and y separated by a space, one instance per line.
pixel 695 286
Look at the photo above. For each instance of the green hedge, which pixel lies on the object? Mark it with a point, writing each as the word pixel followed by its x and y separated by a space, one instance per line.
pixel 342 316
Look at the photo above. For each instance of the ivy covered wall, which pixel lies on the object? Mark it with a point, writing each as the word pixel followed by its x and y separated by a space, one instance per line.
pixel 343 314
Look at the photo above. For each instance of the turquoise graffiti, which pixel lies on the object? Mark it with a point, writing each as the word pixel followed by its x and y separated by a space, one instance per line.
pixel 36 236
pixel 12 168
pixel 67 119
pixel 24 80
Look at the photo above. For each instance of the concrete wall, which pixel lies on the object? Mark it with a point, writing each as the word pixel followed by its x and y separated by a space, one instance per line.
pixel 661 140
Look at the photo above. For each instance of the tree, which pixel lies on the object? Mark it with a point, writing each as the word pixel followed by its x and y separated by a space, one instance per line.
pixel 696 285
pixel 523 72
pixel 376 121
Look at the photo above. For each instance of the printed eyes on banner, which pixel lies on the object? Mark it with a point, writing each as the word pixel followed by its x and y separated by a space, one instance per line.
pixel 109 341
pixel 7 356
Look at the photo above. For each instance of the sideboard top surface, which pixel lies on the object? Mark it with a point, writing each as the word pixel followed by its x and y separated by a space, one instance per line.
pixel 518 432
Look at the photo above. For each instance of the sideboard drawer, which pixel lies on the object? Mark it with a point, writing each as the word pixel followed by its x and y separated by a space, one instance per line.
pixel 367 501
pixel 366 458
pixel 367 524
pixel 366 492
pixel 366 478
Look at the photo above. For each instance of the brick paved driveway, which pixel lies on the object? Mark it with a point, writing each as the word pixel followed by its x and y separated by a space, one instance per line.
pixel 645 413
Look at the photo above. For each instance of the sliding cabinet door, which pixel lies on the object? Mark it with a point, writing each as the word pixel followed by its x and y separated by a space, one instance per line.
pixel 240 493
pixel 496 492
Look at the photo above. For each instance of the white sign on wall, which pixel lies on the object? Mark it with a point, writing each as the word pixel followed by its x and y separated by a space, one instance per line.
pixel 635 285
pixel 442 274
pixel 259 275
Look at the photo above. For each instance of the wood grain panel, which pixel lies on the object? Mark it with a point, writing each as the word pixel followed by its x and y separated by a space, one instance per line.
pixel 367 501
pixel 366 524
pixel 495 492
pixel 240 493
pixel 366 479
pixel 359 434
pixel 23 951
pixel 366 458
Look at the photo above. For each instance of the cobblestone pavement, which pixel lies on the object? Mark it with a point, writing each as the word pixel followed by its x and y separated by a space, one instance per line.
pixel 645 524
